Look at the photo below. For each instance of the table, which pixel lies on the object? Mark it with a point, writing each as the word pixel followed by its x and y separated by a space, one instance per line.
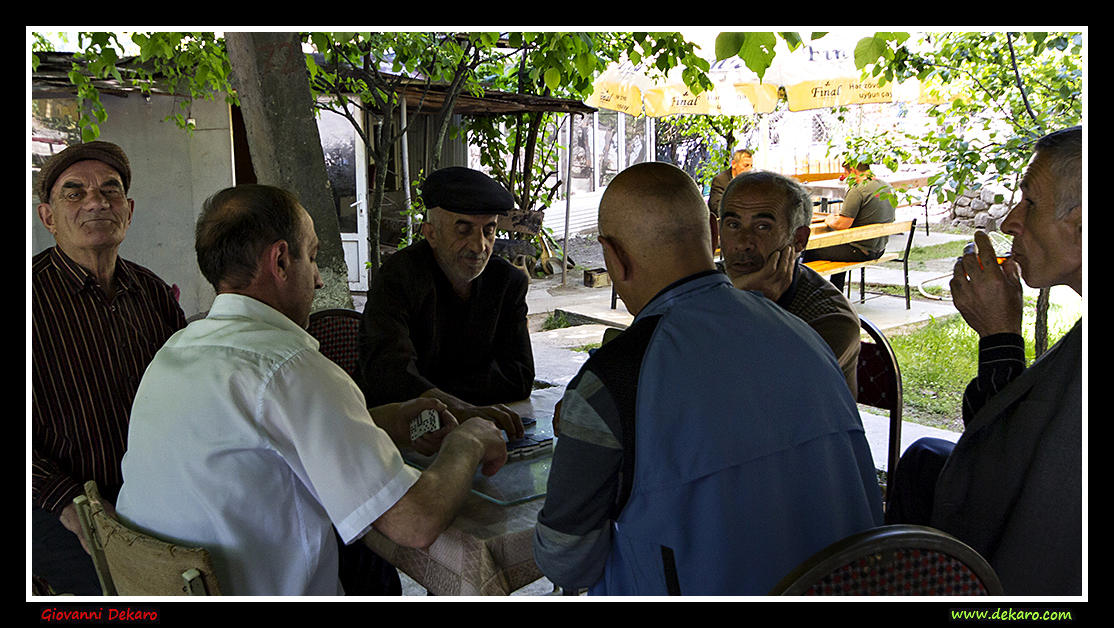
pixel 489 547
pixel 900 180
pixel 821 235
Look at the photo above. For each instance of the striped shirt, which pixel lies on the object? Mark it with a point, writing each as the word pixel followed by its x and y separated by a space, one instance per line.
pixel 1001 360
pixel 88 353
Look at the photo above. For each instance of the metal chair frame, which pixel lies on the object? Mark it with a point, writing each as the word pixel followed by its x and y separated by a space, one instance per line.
pixel 881 390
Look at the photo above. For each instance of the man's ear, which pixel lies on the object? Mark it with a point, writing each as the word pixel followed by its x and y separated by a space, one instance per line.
pixel 276 260
pixel 616 258
pixel 800 239
pixel 46 216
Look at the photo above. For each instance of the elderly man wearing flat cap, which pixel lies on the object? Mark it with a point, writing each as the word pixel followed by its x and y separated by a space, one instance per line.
pixel 444 318
pixel 96 322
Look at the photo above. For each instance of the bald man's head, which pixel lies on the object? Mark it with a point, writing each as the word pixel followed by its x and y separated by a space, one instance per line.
pixel 655 208
pixel 655 218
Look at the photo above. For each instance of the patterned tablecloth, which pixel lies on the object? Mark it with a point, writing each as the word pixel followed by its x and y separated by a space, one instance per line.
pixel 489 548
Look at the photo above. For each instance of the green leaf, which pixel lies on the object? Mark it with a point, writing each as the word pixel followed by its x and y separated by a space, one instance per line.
pixel 792 40
pixel 728 45
pixel 870 50
pixel 552 78
pixel 758 51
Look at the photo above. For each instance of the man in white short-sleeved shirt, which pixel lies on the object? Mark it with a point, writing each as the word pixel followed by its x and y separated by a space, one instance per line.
pixel 247 441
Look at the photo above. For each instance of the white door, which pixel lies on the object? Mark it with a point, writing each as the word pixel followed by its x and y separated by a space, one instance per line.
pixel 346 163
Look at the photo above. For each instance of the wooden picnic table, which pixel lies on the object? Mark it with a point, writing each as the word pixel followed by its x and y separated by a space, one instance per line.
pixel 823 236
pixel 837 188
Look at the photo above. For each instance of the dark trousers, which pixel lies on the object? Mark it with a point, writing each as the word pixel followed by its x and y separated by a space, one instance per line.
pixel 839 253
pixel 363 572
pixel 914 482
pixel 58 558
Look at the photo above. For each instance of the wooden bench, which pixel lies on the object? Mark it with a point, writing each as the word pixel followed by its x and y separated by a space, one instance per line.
pixel 823 236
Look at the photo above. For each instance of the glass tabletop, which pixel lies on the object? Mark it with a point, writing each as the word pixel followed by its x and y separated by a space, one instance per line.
pixel 526 472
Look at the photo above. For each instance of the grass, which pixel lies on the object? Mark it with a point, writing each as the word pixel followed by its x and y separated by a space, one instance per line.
pixel 939 358
pixel 556 320
pixel 920 255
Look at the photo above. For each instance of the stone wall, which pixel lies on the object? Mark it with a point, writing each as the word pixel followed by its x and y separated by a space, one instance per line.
pixel 976 208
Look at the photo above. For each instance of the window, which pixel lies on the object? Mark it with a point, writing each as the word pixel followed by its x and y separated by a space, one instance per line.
pixel 603 145
pixel 53 128
pixel 338 139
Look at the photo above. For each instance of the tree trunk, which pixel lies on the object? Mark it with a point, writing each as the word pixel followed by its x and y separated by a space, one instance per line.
pixel 270 75
pixel 1040 333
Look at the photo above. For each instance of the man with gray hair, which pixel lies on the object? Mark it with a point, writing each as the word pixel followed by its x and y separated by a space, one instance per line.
pixel 1011 488
pixel 742 161
pixel 97 319
pixel 444 317
pixel 763 227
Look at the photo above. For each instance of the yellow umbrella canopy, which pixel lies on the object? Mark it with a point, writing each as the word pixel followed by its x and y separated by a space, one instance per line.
pixel 822 74
pixel 622 87
pixel 736 91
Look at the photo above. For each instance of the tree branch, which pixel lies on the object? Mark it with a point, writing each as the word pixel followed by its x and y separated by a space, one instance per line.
pixel 1017 77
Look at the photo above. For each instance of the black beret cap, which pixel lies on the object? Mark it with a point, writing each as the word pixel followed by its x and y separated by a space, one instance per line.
pixel 466 191
pixel 106 152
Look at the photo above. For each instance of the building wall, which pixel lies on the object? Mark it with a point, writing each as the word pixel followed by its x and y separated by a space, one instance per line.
pixel 172 174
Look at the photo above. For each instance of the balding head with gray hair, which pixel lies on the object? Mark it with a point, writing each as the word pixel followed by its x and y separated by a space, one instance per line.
pixel 797 198
pixel 1064 151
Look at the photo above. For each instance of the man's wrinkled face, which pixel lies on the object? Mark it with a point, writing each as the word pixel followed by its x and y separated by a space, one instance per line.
pixel 753 225
pixel 88 209
pixel 1048 249
pixel 462 243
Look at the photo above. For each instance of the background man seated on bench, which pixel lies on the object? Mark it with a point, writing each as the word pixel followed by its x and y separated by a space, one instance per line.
pixel 867 203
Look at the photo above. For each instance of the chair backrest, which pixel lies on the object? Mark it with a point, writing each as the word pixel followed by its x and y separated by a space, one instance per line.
pixel 879 382
pixel 337 331
pixel 893 560
pixel 131 563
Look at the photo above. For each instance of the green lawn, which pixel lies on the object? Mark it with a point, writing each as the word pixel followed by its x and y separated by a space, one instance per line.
pixel 938 359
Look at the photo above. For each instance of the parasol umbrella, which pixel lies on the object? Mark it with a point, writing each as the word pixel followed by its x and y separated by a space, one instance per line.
pixel 622 87
pixel 822 74
pixel 736 91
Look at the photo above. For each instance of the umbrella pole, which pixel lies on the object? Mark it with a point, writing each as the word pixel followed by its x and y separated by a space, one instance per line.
pixel 568 202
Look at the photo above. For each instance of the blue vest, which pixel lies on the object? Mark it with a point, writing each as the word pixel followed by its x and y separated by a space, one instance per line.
pixel 744 467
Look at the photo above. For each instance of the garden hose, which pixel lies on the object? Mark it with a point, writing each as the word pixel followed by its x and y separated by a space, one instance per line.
pixel 920 288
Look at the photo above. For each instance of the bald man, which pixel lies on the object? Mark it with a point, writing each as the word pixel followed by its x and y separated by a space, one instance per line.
pixel 711 446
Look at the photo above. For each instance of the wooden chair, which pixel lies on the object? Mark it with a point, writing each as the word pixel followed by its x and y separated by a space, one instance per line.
pixel 879 383
pixel 337 331
pixel 893 560
pixel 135 564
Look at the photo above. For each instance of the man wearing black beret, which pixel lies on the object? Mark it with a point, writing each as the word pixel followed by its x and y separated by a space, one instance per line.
pixel 443 317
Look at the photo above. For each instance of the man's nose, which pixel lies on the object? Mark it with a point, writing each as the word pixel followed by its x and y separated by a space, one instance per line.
pixel 95 199
pixel 477 242
pixel 1012 223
